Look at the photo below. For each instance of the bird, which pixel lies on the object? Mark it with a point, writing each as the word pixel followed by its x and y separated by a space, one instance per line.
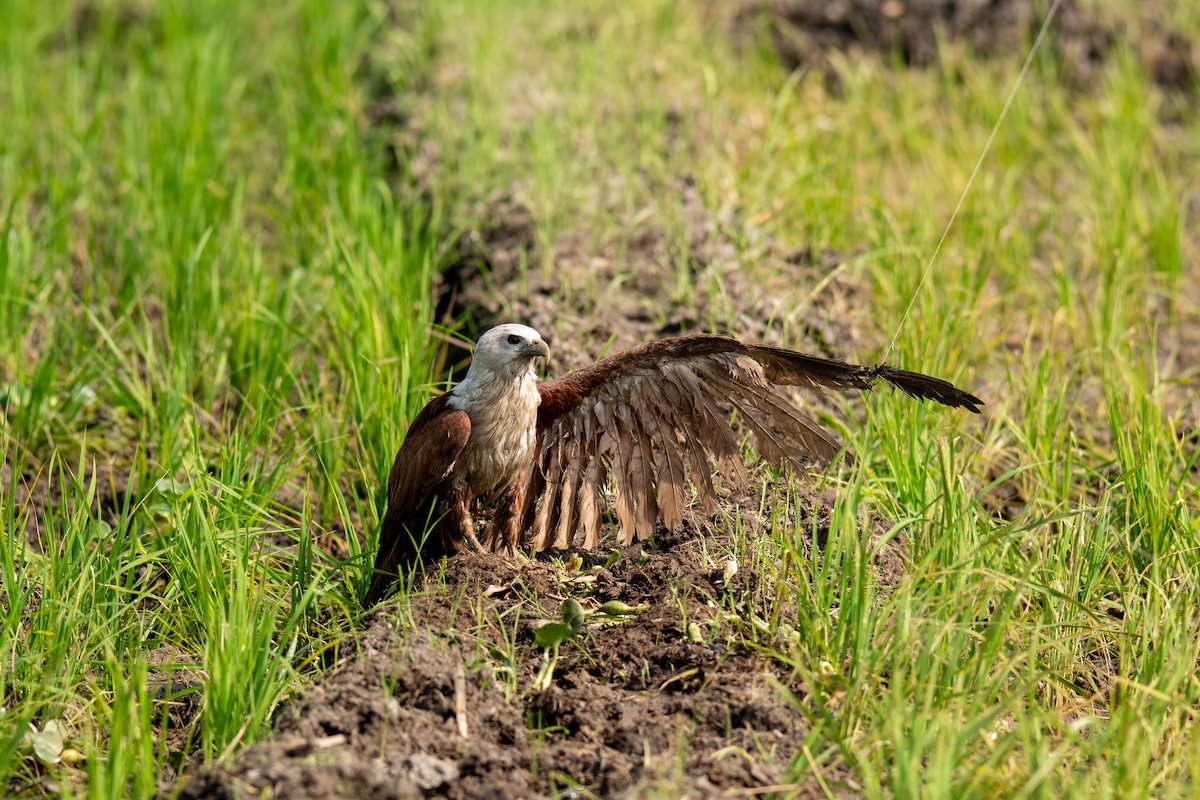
pixel 537 462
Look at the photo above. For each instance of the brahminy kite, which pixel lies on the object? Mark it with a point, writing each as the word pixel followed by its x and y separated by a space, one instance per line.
pixel 644 427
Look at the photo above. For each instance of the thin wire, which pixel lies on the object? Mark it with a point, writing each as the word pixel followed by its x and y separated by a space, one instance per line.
pixel 1037 42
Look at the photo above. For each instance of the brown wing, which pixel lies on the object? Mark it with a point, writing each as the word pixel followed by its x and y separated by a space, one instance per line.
pixel 652 419
pixel 419 480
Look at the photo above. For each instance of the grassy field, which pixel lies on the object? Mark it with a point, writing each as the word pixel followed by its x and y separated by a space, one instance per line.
pixel 215 317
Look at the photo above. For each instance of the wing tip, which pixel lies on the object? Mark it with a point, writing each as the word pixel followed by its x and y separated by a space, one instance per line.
pixel 926 387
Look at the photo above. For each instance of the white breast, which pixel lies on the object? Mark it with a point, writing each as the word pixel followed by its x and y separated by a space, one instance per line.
pixel 503 426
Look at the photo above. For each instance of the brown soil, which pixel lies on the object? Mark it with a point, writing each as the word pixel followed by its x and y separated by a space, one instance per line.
pixel 633 704
pixel 38 490
pixel 805 32
pixel 176 686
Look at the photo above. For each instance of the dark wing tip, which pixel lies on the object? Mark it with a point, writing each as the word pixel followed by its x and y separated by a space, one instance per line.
pixel 926 387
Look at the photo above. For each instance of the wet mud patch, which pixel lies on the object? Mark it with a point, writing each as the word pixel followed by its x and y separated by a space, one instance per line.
pixel 447 694
pixel 807 32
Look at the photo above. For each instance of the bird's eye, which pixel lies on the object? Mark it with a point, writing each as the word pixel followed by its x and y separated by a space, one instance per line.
pixel 514 339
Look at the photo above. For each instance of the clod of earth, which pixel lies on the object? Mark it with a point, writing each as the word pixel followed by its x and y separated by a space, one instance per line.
pixel 537 457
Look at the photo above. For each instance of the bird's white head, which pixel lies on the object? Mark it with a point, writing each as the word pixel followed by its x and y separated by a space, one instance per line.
pixel 504 353
pixel 509 347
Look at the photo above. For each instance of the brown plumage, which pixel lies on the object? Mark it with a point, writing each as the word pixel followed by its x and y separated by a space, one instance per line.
pixel 643 427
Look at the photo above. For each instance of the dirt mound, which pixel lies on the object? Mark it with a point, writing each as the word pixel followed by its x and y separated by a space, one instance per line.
pixel 449 702
pixel 620 293
pixel 807 31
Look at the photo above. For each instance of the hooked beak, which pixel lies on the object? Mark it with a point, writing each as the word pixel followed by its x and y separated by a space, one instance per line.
pixel 537 348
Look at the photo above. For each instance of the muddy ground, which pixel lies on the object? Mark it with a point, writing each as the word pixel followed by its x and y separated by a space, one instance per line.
pixel 439 697
pixel 633 278
pixel 1080 39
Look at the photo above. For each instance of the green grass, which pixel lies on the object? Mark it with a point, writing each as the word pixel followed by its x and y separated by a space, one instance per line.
pixel 208 285
pixel 214 297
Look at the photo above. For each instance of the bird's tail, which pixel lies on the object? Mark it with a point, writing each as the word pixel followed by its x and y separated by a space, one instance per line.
pixel 402 555
pixel 397 552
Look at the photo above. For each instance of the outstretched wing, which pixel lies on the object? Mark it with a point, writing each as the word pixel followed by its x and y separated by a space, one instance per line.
pixel 418 478
pixel 652 419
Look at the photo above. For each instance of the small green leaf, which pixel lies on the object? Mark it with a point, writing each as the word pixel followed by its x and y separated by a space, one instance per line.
pixel 157 509
pixel 572 614
pixel 613 558
pixel 552 634
pixel 615 608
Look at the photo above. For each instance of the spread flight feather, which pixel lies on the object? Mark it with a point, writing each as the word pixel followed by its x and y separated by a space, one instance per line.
pixel 638 427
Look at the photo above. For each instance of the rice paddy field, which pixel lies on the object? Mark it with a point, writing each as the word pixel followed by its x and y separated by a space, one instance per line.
pixel 242 244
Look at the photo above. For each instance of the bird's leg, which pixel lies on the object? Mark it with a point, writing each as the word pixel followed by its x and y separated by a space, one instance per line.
pixel 505 531
pixel 458 523
pixel 472 543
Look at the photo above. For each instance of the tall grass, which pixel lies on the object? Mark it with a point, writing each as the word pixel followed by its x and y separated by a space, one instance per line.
pixel 213 315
